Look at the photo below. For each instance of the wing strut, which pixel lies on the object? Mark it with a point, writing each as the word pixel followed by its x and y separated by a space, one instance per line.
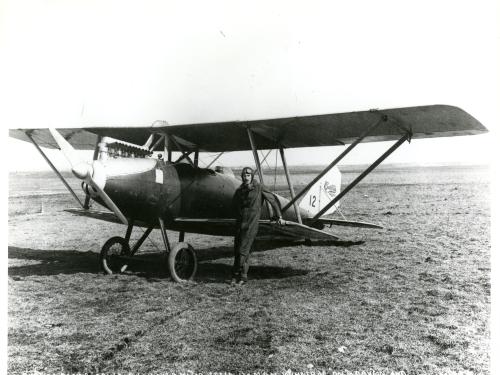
pixel 28 134
pixel 382 119
pixel 162 137
pixel 290 185
pixel 393 148
pixel 196 158
pixel 255 155
pixel 257 164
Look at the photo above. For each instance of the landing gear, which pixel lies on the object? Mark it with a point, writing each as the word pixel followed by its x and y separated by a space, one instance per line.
pixel 181 260
pixel 112 253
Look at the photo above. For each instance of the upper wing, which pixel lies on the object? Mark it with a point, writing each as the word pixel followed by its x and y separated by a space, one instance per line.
pixel 80 139
pixel 305 131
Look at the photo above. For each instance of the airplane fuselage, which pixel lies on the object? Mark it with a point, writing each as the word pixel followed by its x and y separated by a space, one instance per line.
pixel 145 189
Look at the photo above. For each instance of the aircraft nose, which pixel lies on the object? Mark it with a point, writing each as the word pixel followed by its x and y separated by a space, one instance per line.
pixel 98 174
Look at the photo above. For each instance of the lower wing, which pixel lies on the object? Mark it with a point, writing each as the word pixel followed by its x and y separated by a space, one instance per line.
pixel 290 229
pixel 108 216
pixel 347 223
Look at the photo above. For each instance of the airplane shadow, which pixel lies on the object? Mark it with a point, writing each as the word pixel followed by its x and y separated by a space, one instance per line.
pixel 33 262
pixel 151 266
pixel 266 245
pixel 30 262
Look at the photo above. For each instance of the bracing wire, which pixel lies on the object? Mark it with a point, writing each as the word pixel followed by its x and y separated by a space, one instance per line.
pixel 149 239
pixel 215 159
pixel 215 156
pixel 264 160
pixel 341 214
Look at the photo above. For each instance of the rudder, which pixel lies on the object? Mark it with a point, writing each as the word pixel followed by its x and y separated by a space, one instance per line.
pixel 322 193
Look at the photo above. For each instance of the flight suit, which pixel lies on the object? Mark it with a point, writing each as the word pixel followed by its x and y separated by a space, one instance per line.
pixel 248 202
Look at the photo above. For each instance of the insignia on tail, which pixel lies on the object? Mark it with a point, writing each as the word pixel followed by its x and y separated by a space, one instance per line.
pixel 322 193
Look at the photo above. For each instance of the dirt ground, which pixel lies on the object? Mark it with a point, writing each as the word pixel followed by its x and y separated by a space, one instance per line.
pixel 413 297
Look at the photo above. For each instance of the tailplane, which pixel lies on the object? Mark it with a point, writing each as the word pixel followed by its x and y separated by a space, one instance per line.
pixel 322 193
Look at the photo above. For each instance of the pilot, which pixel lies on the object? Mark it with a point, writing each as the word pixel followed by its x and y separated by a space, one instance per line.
pixel 248 201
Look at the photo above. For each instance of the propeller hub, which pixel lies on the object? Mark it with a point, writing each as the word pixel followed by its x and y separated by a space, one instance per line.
pixel 82 171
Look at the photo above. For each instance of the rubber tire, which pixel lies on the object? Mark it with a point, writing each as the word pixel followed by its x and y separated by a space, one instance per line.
pixel 107 265
pixel 182 249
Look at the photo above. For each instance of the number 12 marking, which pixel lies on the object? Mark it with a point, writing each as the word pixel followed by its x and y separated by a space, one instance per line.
pixel 312 200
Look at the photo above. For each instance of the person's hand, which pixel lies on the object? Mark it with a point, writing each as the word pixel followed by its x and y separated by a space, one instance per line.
pixel 279 221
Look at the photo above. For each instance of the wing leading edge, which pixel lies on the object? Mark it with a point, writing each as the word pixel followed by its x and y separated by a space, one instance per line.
pixel 292 132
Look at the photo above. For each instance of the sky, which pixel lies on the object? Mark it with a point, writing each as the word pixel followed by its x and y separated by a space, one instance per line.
pixel 105 63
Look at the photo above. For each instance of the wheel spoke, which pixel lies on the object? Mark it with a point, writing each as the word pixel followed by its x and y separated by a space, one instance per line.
pixel 183 263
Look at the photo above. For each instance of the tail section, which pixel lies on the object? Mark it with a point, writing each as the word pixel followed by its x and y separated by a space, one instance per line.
pixel 322 193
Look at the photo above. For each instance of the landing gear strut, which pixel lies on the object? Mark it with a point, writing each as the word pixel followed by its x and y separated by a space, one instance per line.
pixel 181 259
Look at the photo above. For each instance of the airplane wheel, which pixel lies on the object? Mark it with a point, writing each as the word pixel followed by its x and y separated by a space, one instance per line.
pixel 109 258
pixel 182 262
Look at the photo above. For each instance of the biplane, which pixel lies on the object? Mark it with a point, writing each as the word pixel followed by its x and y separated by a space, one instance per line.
pixel 141 189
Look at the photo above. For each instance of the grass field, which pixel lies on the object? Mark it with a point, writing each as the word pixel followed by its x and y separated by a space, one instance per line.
pixel 412 297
